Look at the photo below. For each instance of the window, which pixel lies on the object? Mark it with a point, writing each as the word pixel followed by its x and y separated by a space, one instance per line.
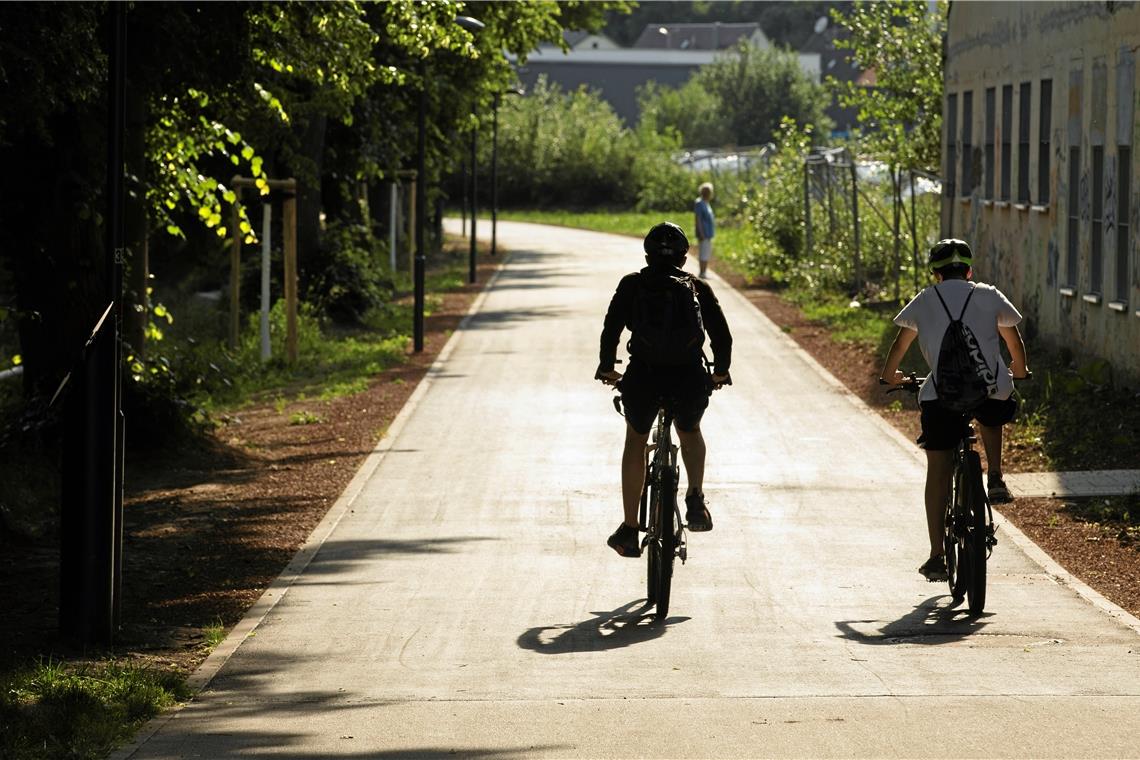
pixel 1096 263
pixel 1073 213
pixel 988 190
pixel 1024 102
pixel 1125 78
pixel 967 143
pixel 951 170
pixel 1123 229
pixel 1044 126
pixel 1006 136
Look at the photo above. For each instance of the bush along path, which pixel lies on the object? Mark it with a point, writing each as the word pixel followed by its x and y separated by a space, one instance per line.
pixel 208 528
pixel 1072 418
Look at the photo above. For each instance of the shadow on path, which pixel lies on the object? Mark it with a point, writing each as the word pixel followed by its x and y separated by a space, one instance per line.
pixel 930 622
pixel 609 630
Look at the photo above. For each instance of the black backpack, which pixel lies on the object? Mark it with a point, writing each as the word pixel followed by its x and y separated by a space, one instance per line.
pixel 962 379
pixel 667 326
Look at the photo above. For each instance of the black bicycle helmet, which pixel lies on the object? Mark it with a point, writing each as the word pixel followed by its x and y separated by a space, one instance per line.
pixel 666 239
pixel 949 251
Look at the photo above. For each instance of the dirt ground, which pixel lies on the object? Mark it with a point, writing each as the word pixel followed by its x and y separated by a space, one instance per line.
pixel 207 530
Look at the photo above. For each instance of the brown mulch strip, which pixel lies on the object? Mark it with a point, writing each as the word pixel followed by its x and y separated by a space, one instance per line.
pixel 209 527
pixel 1103 555
pixel 1106 556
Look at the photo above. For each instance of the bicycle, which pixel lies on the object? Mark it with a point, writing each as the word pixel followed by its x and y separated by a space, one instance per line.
pixel 659 514
pixel 968 539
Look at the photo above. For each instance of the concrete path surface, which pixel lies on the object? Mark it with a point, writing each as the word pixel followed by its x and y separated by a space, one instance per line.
pixel 465 604
pixel 1075 484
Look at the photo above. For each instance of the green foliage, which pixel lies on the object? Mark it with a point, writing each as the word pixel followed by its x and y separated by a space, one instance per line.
pixel 902 42
pixel 757 88
pixel 560 148
pixel 661 183
pixel 739 99
pixel 693 111
pixel 52 709
pixel 181 142
pixel 774 212
pixel 350 273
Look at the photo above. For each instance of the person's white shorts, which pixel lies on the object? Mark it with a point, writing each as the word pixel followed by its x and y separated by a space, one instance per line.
pixel 704 250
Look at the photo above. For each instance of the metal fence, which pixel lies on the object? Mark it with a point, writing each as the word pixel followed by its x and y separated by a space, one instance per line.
pixel 864 214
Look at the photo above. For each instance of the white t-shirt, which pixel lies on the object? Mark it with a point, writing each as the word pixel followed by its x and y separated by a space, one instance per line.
pixel 988 309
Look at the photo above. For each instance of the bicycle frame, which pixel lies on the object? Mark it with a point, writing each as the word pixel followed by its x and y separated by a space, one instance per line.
pixel 659 514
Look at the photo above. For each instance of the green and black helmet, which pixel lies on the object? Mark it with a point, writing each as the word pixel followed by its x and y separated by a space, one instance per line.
pixel 949 251
pixel 666 239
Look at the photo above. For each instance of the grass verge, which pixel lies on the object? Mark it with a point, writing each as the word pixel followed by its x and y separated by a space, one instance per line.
pixel 52 709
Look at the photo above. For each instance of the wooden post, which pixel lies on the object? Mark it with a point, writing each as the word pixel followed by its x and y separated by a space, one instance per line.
pixel 235 269
pixel 289 225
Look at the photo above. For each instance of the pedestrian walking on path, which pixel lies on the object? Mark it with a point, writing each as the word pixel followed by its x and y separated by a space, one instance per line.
pixel 705 226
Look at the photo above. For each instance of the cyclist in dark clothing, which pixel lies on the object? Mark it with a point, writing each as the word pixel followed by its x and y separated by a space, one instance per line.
pixel 665 361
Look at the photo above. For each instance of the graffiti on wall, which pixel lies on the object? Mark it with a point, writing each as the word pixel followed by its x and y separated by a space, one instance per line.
pixel 1084 198
pixel 1110 197
pixel 1052 261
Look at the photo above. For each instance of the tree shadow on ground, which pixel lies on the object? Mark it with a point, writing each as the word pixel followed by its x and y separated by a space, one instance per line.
pixel 936 620
pixel 630 623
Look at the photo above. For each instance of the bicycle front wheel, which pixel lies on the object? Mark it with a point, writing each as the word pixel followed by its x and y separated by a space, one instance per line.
pixel 957 569
pixel 665 542
pixel 976 548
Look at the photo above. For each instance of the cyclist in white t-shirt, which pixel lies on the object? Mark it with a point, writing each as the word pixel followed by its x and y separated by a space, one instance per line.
pixel 990 316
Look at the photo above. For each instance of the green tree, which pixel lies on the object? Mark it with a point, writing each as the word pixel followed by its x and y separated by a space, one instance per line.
pixel 901 41
pixel 691 110
pixel 758 88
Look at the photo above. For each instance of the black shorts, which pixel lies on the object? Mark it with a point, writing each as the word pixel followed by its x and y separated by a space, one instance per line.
pixel 643 387
pixel 942 428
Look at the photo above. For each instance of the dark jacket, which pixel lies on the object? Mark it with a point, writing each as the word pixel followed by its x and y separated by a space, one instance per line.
pixel 620 316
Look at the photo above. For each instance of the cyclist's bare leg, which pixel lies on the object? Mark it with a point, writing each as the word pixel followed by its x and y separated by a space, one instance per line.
pixel 693 455
pixel 939 469
pixel 991 442
pixel 632 473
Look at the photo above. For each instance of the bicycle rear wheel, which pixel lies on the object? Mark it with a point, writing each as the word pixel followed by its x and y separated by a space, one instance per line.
pixel 665 542
pixel 976 548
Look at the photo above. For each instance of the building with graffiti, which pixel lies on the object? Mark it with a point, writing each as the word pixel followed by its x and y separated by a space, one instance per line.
pixel 1039 124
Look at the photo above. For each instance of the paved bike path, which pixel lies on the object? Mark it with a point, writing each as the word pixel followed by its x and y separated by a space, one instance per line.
pixel 465 602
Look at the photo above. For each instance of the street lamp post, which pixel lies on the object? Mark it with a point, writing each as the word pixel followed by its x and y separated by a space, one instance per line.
pixel 471 25
pixel 474 203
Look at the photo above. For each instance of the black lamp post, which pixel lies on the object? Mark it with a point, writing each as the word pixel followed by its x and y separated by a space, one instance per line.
pixel 474 203
pixel 471 25
pixel 495 166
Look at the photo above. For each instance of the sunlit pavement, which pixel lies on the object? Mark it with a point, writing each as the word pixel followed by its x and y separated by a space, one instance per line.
pixel 466 603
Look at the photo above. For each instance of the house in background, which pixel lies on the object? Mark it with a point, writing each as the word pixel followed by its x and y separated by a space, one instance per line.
pixel 617 73
pixel 1039 125
pixel 714 36
pixel 582 40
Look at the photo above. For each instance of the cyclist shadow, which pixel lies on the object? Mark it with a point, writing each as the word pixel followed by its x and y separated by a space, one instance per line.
pixel 936 620
pixel 631 623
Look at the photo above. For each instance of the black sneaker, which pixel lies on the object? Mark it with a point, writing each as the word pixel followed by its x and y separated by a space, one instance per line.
pixel 697 513
pixel 625 542
pixel 934 569
pixel 998 492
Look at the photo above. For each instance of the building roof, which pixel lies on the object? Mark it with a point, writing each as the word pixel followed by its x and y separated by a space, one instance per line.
pixel 714 36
